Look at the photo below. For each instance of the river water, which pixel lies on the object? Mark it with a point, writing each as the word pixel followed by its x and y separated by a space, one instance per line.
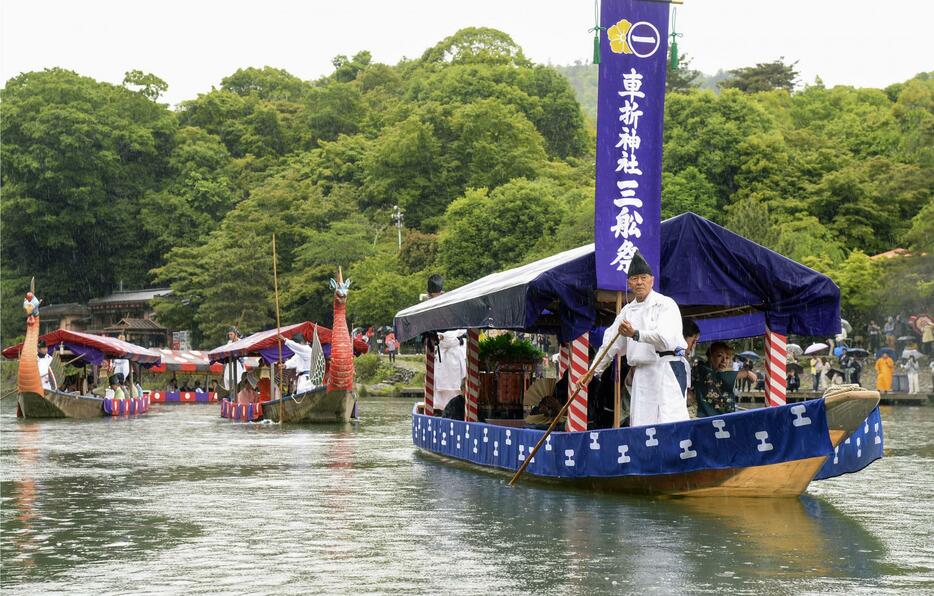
pixel 183 501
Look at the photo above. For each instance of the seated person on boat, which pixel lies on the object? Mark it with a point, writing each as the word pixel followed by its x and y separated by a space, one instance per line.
pixel 713 381
pixel 115 391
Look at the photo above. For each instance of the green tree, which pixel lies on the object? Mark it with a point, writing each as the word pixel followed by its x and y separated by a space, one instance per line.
pixel 858 279
pixel 683 78
pixel 764 76
pixel 266 83
pixel 495 144
pixel 487 231
pixel 419 251
pixel 688 190
pixel 476 45
pixel 920 236
pixel 77 156
pixel 150 86
pixel 407 166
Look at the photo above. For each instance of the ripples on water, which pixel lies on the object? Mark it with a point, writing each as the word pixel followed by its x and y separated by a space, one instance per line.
pixel 182 501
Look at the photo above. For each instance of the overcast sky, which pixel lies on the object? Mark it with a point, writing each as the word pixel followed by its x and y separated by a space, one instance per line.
pixel 193 44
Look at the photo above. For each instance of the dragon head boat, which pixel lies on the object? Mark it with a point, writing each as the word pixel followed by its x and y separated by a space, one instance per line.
pixel 735 289
pixel 38 401
pixel 330 396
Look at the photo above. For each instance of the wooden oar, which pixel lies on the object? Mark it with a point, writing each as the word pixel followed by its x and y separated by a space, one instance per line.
pixel 554 422
pixel 9 393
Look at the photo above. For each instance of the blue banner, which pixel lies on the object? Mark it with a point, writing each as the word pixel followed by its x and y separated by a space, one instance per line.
pixel 630 116
pixel 750 438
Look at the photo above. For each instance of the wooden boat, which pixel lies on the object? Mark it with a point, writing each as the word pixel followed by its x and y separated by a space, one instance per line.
pixel 765 452
pixel 35 401
pixel 334 400
pixel 317 405
pixel 567 453
pixel 188 362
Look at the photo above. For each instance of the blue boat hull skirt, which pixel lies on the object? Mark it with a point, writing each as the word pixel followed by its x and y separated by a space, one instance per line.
pixel 768 452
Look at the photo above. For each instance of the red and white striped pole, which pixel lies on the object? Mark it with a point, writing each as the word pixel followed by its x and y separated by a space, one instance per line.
pixel 776 357
pixel 429 379
pixel 580 362
pixel 473 375
pixel 564 360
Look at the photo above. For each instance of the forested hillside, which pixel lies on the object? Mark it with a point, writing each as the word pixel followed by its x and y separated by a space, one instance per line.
pixel 489 155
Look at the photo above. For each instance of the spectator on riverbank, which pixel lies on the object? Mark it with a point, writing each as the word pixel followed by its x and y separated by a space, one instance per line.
pixel 824 369
pixel 793 382
pixel 815 375
pixel 885 366
pixel 927 338
pixel 912 368
pixel 873 331
pixel 392 346
pixel 889 331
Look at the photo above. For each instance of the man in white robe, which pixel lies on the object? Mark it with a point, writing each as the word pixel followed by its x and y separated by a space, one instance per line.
pixel 450 367
pixel 233 335
pixel 45 366
pixel 121 366
pixel 300 361
pixel 652 341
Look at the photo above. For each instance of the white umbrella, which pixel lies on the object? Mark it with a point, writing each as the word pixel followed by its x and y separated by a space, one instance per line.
pixel 910 352
pixel 815 348
pixel 794 349
pixel 846 325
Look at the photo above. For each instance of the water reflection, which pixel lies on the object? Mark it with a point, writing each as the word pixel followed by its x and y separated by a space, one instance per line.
pixel 636 541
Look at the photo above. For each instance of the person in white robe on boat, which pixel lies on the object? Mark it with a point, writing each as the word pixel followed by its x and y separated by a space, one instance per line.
pixel 300 362
pixel 233 335
pixel 121 366
pixel 653 343
pixel 45 366
pixel 450 356
pixel 450 366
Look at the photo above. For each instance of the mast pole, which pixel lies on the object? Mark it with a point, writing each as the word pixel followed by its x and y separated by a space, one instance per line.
pixel 275 281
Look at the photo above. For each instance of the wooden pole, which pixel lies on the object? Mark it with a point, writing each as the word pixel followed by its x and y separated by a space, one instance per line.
pixel 586 379
pixel 275 283
pixel 617 380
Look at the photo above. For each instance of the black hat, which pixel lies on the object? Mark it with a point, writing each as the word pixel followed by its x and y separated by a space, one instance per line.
pixel 435 284
pixel 638 266
pixel 298 338
pixel 113 380
pixel 41 343
pixel 234 330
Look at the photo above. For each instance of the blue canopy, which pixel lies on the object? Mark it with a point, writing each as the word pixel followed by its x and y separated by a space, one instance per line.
pixel 734 286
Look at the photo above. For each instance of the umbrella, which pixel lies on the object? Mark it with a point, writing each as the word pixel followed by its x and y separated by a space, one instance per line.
pixel 910 352
pixel 795 367
pixel 794 349
pixel 749 354
pixel 907 338
pixel 888 351
pixel 846 325
pixel 815 348
pixel 858 352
